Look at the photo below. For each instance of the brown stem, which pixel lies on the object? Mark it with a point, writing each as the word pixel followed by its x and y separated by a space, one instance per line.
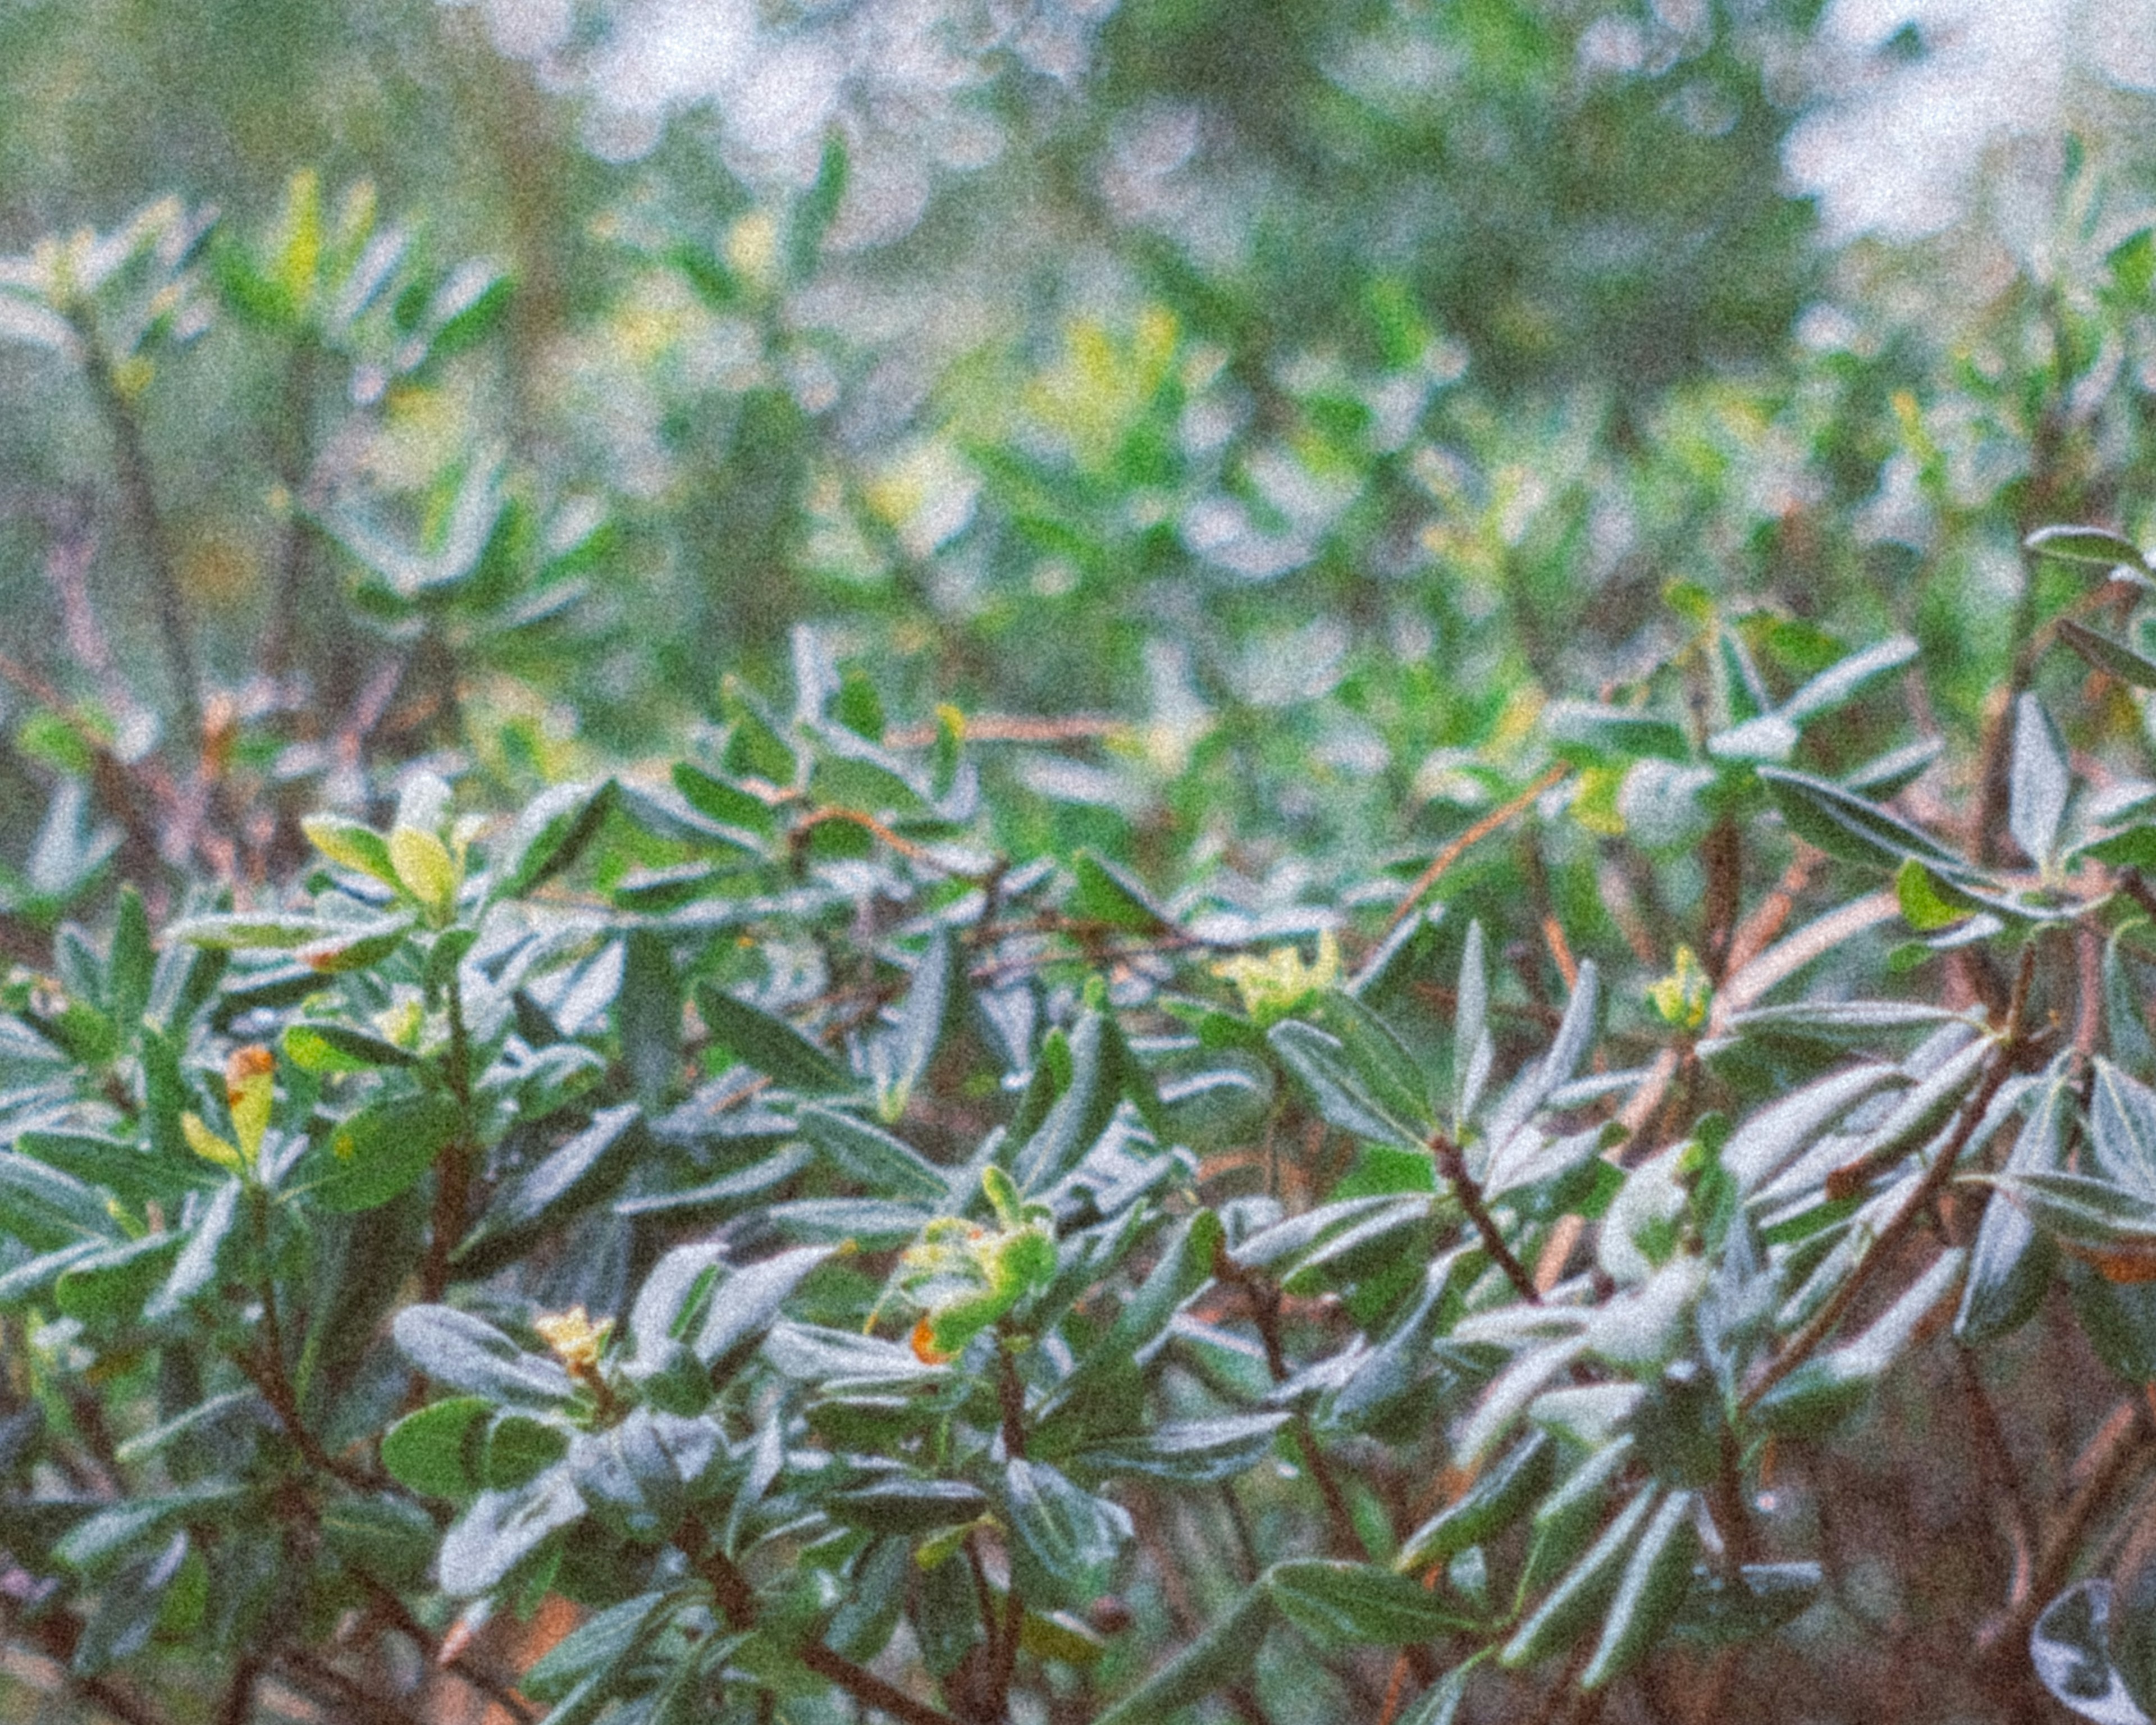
pixel 399 1615
pixel 1453 1166
pixel 1733 1515
pixel 316 1677
pixel 1451 854
pixel 1265 1300
pixel 1722 853
pixel 139 497
pixel 737 1599
pixel 452 1166
pixel 1010 1401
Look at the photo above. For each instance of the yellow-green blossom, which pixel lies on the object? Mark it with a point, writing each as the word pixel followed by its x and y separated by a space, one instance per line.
pixel 1275 985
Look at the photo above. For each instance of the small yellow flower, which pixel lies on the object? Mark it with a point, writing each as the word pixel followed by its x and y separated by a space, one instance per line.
pixel 1273 986
pixel 1683 996
pixel 575 1339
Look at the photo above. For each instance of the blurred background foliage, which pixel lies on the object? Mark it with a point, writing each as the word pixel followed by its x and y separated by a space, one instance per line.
pixel 1256 412
pixel 1303 391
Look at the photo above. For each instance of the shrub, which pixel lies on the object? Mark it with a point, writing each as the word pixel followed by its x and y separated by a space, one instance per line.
pixel 849 1260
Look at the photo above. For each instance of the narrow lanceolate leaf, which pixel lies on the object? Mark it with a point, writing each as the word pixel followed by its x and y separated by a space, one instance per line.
pixel 886 1166
pixel 352 845
pixel 2113 658
pixel 554 827
pixel 1655 1581
pixel 1188 1452
pixel 243 930
pixel 1576 1600
pixel 463 1352
pixel 1344 1604
pixel 1473 1051
pixel 1774 1138
pixel 1502 1493
pixel 2012 1262
pixel 1841 683
pixel 1843 824
pixel 746 1303
pixel 1916 1119
pixel 45 1208
pixel 1339 1092
pixel 768 1044
pixel 2039 784
pixel 1222 1654
pixel 2097 550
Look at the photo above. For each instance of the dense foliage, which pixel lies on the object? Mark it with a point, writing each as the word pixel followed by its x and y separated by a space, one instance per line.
pixel 1381 950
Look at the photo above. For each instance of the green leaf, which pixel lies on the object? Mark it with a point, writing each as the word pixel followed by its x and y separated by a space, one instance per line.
pixel 1846 826
pixel 1889 774
pixel 908 1508
pixel 1764 1597
pixel 1841 684
pixel 133 963
pixel 114 1286
pixel 1499 1495
pixel 1656 1580
pixel 1441 1704
pixel 721 800
pixel 378 1152
pixel 96 1545
pixel 1074 1123
pixel 1105 892
pixel 1828 1387
pixel 867 1154
pixel 326 1046
pixel 818 207
pixel 517 1449
pixel 573 1176
pixel 2040 782
pixel 2011 1263
pixel 1473 1051
pixel 1578 1599
pixel 1337 1089
pixel 1771 1139
pixel 1222 1654
pixel 745 1305
pixel 1582 730
pixel 2114 659
pixel 554 828
pixel 196 1267
pixel 502 1528
pixel 45 1208
pixel 265 929
pixel 436 1451
pixel 1379 1059
pixel 1346 1604
pixel 351 844
pixel 599 1645
pixel 768 1044
pixel 1067 1539
pixel 1929 904
pixel 928 1012
pixel 463 1352
pixel 2094 549
pixel 1187 1451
